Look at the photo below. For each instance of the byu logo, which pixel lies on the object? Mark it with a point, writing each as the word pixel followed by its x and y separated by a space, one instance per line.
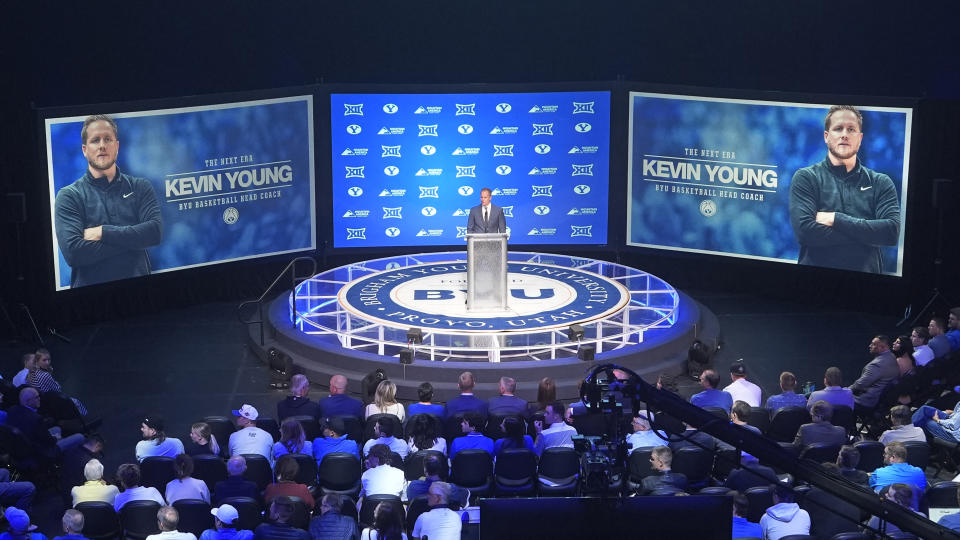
pixel 542 149
pixel 354 172
pixel 392 266
pixel 465 129
pixel 502 150
pixel 582 127
pixel 507 211
pixel 708 208
pixel 354 129
pixel 541 210
pixel 392 232
pixel 468 170
pixel 357 234
pixel 429 192
pixel 543 129
pixel 465 109
pixel 581 189
pixel 392 212
pixel 427 131
pixel 390 151
pixel 504 108
pixel 391 170
pixel 582 170
pixel 428 150
pixel 503 170
pixel 585 107
pixel 355 191
pixel 461 232
pixel 356 110
pixel 466 191
pixel 390 108
pixel 581 231
pixel 428 211
pixel 542 191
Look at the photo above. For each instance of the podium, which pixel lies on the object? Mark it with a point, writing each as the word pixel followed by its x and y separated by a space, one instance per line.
pixel 487 272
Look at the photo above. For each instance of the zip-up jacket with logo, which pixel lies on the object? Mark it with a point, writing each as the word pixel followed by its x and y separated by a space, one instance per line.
pixel 867 216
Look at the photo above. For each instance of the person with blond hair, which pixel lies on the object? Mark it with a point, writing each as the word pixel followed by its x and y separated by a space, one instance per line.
pixel 385 401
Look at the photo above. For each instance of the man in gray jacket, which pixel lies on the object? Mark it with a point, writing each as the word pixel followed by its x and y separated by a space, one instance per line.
pixel 881 372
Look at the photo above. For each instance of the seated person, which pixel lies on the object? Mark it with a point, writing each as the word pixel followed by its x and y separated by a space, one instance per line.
pixel 785 517
pixel 129 475
pixel 338 403
pixel 202 441
pixel 440 523
pixel 558 433
pixel 506 403
pixel 820 430
pixel 297 403
pixel 385 401
pixel 788 397
pixel 432 468
pixel 331 523
pixel 383 430
pixel 903 495
pixel 334 440
pixel 847 461
pixel 168 519
pixel 277 526
pixel 19 494
pixel 643 435
pixel 472 426
pixel 898 470
pixel 248 438
pixel 741 527
pixel 903 430
pixel 75 461
pixel 943 425
pixel 514 436
pixel 740 388
pixel 235 485
pixel 46 443
pixel 225 520
pixel 740 414
pixel 73 523
pixel 387 524
pixel 922 353
pixel 20 527
pixel 750 474
pixel 661 458
pixel 711 396
pixel 185 486
pixel 380 478
pixel 834 392
pixel 425 405
pixel 466 401
pixel 424 436
pixel 29 362
pixel 952 521
pixel 94 489
pixel 286 484
pixel 155 442
pixel 292 440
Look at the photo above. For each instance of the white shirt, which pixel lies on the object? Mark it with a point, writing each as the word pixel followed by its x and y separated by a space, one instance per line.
pixel 170 447
pixel 371 534
pixel 558 434
pixel 138 493
pixel 187 488
pixel 252 440
pixel 382 480
pixel 172 535
pixel 903 434
pixel 922 354
pixel 744 390
pixel 20 378
pixel 438 524
pixel 396 409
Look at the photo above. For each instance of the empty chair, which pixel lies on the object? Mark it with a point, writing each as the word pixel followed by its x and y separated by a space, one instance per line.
pixel 558 472
pixel 727 459
pixel 413 467
pixel 100 521
pixel 258 470
pixel 695 463
pixel 639 467
pixel 307 472
pixel 452 429
pixel 269 425
pixel 786 422
pixel 918 454
pixel 157 471
pixel 941 495
pixel 591 424
pixel 372 420
pixel 821 452
pixel 195 516
pixel 761 498
pixel 719 412
pixel 221 427
pixel 353 428
pixel 515 472
pixel 249 511
pixel 209 468
pixel 871 455
pixel 471 469
pixel 139 519
pixel 311 428
pixel 759 418
pixel 370 503
pixel 339 472
pixel 714 490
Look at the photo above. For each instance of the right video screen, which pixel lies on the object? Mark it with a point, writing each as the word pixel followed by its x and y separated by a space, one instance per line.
pixel 814 184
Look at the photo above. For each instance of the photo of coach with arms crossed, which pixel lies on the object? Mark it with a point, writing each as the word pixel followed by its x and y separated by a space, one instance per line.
pixel 105 220
pixel 842 212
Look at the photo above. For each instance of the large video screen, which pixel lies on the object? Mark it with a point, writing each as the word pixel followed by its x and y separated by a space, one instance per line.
pixel 769 180
pixel 408 168
pixel 134 193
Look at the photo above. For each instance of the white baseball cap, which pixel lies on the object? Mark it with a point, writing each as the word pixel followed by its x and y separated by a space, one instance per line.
pixel 247 411
pixel 226 514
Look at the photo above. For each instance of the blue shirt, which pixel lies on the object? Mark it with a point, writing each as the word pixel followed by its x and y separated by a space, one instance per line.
pixel 950 521
pixel 711 397
pixel 226 534
pixel 786 399
pixel 419 408
pixel 743 528
pixel 508 444
pixel 898 472
pixel 471 440
pixel 280 449
pixel 328 445
pixel 953 337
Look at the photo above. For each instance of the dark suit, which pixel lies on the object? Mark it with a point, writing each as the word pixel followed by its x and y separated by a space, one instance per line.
pixel 32 425
pixel 495 223
pixel 881 372
pixel 666 479
pixel 464 404
pixel 297 406
pixel 235 486
pixel 504 405
pixel 341 405
pixel 820 432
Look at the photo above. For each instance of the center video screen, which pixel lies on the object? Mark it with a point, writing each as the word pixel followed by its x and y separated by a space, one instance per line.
pixel 813 184
pixel 408 168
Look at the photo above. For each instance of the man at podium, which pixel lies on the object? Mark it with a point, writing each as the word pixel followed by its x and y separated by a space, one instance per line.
pixel 486 217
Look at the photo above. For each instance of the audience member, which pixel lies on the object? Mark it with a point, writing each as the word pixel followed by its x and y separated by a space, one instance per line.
pixel 278 526
pixel 155 442
pixel 292 440
pixel 903 430
pixel 507 403
pixel 185 486
pixel 922 353
pixel 741 527
pixel 711 396
pixel 643 435
pixel 557 434
pixel 472 426
pixel 938 343
pixel 432 469
pixel 788 397
pixel 225 522
pixel 249 439
pixel 20 527
pixel 466 401
pixel 202 441
pixel 903 495
pixel 881 372
pixel 820 430
pixel 740 415
pixel 129 475
pixel 425 405
pixel 750 474
pixel 334 440
pixel 94 489
pixel 385 401
pixel 424 435
pixel 661 459
pixel 45 443
pixel 331 524
pixel 785 516
pixel 952 521
pixel 898 470
pixel 380 478
pixel 514 437
pixel 29 363
pixel 907 387
pixel 546 394
pixel 297 403
pixel 383 430
pixel 286 484
pixel 440 523
pixel 387 524
pixel 953 325
pixel 72 526
pixel 847 461
pixel 19 494
pixel 943 425
pixel 338 403
pixel 168 520
pixel 740 388
pixel 833 392
pixel 235 485
pixel 41 375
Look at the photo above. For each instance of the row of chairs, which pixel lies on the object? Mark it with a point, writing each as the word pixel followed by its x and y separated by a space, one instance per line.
pixel 138 519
